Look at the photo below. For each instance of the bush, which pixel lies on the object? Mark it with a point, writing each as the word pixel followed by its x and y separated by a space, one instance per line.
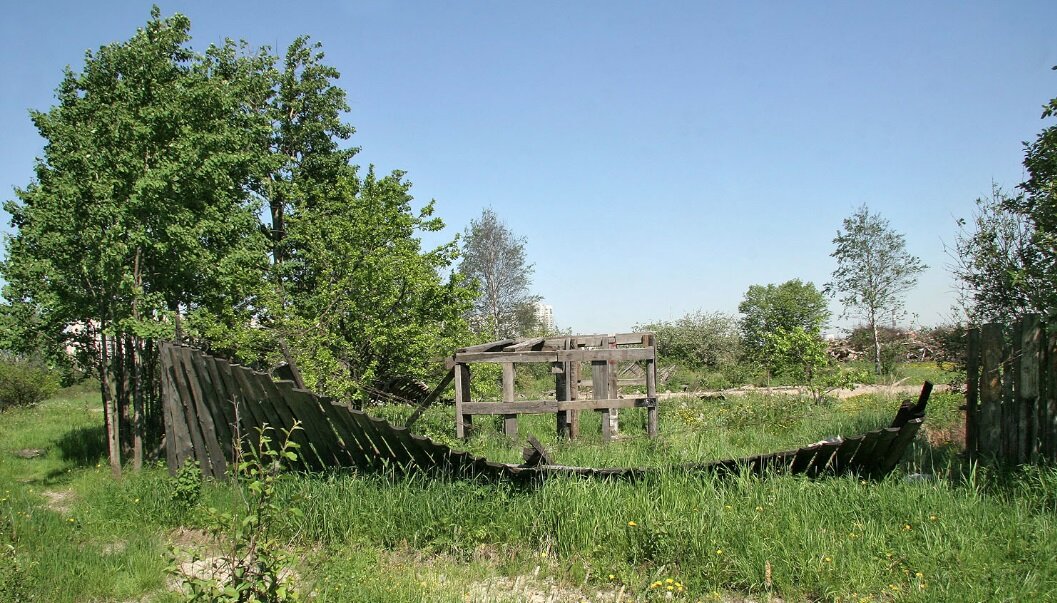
pixel 697 340
pixel 24 383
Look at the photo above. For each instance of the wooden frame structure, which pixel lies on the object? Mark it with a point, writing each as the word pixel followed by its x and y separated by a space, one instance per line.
pixel 565 355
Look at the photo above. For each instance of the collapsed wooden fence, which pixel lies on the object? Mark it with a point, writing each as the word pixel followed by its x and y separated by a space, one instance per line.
pixel 213 409
pixel 1011 395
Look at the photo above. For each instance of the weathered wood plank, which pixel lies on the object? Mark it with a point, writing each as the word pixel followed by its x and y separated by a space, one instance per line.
pixel 652 412
pixel 803 458
pixel 370 451
pixel 972 392
pixel 899 447
pixel 990 432
pixel 527 344
pixel 509 420
pixel 1031 345
pixel 486 347
pixel 1049 417
pixel 845 452
pixel 305 406
pixel 579 355
pixel 431 398
pixel 190 411
pixel 820 463
pixel 226 402
pixel 872 464
pixel 463 421
pixel 348 445
pixel 214 402
pixel 552 406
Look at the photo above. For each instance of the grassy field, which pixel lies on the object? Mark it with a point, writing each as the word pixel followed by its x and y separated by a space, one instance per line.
pixel 936 530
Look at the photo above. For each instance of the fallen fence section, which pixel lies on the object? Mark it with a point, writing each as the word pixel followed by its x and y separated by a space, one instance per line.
pixel 213 409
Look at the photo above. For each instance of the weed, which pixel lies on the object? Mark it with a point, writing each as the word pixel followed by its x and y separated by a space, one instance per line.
pixel 256 567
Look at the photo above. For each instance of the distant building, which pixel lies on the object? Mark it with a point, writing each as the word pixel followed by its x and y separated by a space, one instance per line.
pixel 545 316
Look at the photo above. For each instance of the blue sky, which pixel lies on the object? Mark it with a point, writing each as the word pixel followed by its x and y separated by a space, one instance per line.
pixel 658 158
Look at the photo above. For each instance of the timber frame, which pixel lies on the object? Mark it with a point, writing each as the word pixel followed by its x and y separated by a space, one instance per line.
pixel 566 356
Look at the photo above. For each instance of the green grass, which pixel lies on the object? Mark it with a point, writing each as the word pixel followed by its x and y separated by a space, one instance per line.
pixel 965 533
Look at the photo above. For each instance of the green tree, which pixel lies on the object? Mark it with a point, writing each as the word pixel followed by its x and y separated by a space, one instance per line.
pixel 493 257
pixel 783 308
pixel 998 263
pixel 874 271
pixel 697 340
pixel 366 302
pixel 140 208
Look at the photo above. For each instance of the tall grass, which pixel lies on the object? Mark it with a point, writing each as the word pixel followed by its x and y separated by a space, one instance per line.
pixel 954 532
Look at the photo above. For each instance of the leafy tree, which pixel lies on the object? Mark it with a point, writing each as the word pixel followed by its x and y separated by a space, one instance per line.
pixel 998 263
pixel 367 303
pixel 140 207
pixel 785 308
pixel 873 271
pixel 697 340
pixel 494 258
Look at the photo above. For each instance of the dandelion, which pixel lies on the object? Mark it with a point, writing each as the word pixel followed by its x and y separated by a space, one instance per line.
pixel 827 560
pixel 669 580
pixel 906 527
pixel 632 524
pixel 919 574
pixel 719 551
pixel 759 508
pixel 612 577
pixel 932 518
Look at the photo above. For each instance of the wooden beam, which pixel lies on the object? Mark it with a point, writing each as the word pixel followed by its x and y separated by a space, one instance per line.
pixel 509 420
pixel 491 346
pixel 523 345
pixel 551 406
pixel 431 398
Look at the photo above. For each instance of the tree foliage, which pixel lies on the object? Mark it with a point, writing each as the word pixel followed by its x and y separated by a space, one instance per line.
pixel 997 261
pixel 366 302
pixel 697 340
pixel 780 310
pixel 874 271
pixel 140 205
pixel 493 257
pixel 144 215
pixel 1005 257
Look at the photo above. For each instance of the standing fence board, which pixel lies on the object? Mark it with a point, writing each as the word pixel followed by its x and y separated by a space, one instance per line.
pixel 213 411
pixel 1011 415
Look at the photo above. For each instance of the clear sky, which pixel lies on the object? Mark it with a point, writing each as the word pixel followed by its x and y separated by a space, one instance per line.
pixel 658 158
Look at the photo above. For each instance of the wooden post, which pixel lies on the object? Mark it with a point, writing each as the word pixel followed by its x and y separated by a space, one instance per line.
pixel 972 392
pixel 600 391
pixel 1028 393
pixel 1049 420
pixel 463 423
pixel 613 390
pixel 509 421
pixel 990 415
pixel 561 393
pixel 651 390
pixel 574 392
pixel 1010 385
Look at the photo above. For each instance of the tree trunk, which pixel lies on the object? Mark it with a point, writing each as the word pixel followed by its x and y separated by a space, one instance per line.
pixel 135 368
pixel 876 344
pixel 110 414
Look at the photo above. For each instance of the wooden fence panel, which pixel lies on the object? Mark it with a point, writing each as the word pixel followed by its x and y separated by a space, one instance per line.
pixel 1011 392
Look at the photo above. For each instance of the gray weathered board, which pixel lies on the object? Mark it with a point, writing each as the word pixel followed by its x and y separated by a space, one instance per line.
pixel 210 404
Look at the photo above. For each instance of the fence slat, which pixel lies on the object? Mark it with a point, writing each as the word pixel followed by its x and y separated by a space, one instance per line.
pixel 1028 395
pixel 972 392
pixel 990 432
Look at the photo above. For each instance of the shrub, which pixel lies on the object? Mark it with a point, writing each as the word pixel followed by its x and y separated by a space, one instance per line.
pixel 24 383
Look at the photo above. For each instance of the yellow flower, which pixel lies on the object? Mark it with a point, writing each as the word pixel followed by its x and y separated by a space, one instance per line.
pixel 719 551
pixel 669 580
pixel 612 577
pixel 827 560
pixel 932 518
pixel 632 524
pixel 919 574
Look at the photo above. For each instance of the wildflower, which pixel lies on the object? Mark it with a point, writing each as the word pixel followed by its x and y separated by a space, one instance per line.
pixel 919 574
pixel 612 577
pixel 669 580
pixel 728 507
pixel 932 518
pixel 906 527
pixel 827 560
pixel 632 524
pixel 759 508
pixel 719 551
pixel 71 520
